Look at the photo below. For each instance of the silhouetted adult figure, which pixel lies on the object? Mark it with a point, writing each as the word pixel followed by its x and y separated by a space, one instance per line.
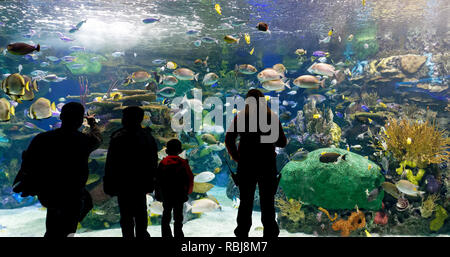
pixel 130 170
pixel 256 165
pixel 55 167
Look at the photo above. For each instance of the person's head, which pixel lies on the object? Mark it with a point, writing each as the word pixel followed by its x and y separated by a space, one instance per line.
pixel 132 116
pixel 256 94
pixel 72 115
pixel 174 147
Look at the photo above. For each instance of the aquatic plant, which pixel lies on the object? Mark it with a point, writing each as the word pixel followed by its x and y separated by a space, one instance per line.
pixel 415 144
pixel 438 222
pixel 357 220
pixel 428 206
pixel 291 209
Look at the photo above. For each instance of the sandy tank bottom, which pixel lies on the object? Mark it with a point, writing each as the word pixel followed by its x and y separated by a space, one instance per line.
pixel 30 222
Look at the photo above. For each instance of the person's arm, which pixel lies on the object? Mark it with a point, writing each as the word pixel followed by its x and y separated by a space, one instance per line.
pixel 94 134
pixel 190 177
pixel 282 141
pixel 230 141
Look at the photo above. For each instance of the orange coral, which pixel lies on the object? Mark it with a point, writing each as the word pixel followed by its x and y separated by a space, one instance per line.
pixel 328 214
pixel 355 221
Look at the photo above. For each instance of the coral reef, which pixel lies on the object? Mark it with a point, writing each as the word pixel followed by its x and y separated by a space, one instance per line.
pixel 438 221
pixel 357 220
pixel 335 185
pixel 291 209
pixel 415 144
pixel 428 206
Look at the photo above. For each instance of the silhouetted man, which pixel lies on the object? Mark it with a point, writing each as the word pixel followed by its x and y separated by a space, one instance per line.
pixel 256 165
pixel 130 171
pixel 55 167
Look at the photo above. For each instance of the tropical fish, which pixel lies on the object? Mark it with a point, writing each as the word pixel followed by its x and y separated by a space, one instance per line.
pixel 197 43
pixel 209 138
pixel 52 58
pixel 365 108
pixel 262 26
pixel 331 157
pixel 320 53
pixel 251 51
pixel 247 38
pixel 203 205
pixel 77 48
pixel 150 20
pixel 171 65
pixel 275 85
pixel 356 147
pixel 210 79
pixel 92 179
pixel 168 80
pixel 408 188
pixel 218 9
pixel 118 54
pixel 15 84
pixel 230 39
pixel 140 76
pixel 308 81
pixel 204 177
pixel 292 92
pixel 202 188
pixel 22 48
pixel 391 189
pixel 6 110
pixel 209 40
pixel 185 74
pixel 279 68
pixel 325 40
pixel 323 69
pixel 316 97
pixel 300 51
pixel 372 195
pixel 269 74
pixel 156 207
pixel 42 108
pixel 68 58
pixel 330 32
pixel 246 69
pixel 167 92
pixel 350 37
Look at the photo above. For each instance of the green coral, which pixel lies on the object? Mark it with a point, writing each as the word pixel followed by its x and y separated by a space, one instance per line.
pixel 428 206
pixel 334 185
pixel 438 221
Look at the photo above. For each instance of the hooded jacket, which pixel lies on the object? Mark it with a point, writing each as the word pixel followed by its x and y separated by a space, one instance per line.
pixel 174 179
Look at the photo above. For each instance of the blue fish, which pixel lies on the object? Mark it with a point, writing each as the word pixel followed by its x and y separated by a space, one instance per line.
pixel 4 139
pixel 365 108
pixel 215 84
pixel 339 114
pixel 319 53
pixel 149 20
pixel 191 32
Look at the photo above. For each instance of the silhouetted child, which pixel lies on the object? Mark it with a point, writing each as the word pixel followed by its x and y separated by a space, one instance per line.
pixel 130 171
pixel 174 182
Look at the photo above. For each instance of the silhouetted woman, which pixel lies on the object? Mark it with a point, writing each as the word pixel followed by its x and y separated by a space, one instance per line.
pixel 256 163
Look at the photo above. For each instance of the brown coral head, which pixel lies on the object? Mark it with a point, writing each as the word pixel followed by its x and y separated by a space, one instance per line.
pixel 402 204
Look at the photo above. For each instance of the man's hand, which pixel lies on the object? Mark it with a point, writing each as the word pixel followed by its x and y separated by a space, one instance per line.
pixel 90 119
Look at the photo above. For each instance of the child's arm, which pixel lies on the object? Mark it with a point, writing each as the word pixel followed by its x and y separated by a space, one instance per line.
pixel 190 177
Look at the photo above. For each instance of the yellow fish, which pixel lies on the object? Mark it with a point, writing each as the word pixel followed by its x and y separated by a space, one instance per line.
pixel 234 111
pixel 408 141
pixel 267 97
pixel 316 116
pixel 98 99
pixel 247 38
pixel 370 120
pixel 383 105
pixel 216 170
pixel 53 106
pixel 367 233
pixel 13 110
pixel 251 52
pixel 106 224
pixel 171 65
pixel 322 153
pixel 218 9
pixel 330 32
pixel 348 148
pixel 369 167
